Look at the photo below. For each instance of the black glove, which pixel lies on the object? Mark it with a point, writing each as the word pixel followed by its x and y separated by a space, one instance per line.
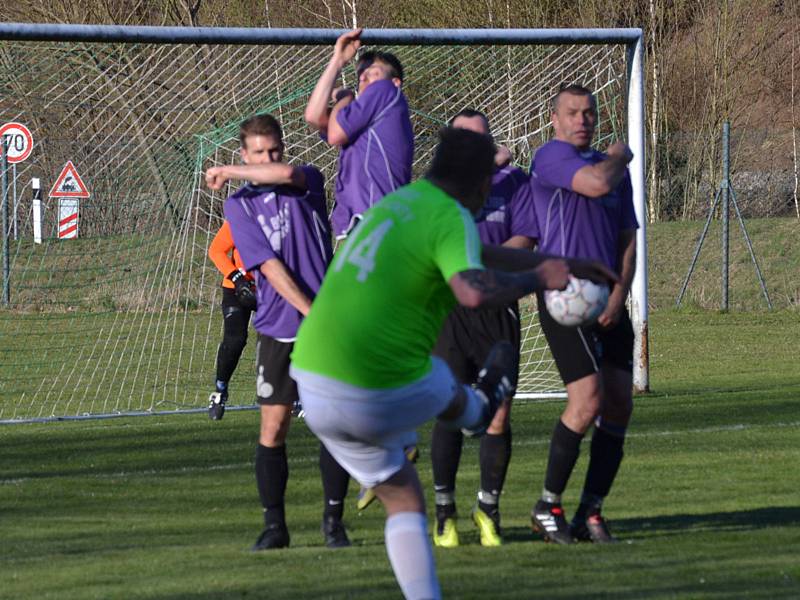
pixel 245 291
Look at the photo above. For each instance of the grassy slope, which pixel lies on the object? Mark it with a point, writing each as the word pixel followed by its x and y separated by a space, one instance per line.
pixel 166 507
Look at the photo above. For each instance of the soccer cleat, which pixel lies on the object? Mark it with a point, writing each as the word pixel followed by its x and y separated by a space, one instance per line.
pixel 548 521
pixel 489 527
pixel 592 529
pixel 366 496
pixel 494 383
pixel 216 405
pixel 297 409
pixel 275 535
pixel 445 535
pixel 335 533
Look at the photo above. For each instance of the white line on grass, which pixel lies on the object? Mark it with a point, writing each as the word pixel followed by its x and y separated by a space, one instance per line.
pixel 308 459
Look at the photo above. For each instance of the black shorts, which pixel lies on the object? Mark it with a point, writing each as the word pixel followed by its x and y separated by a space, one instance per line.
pixel 469 334
pixel 582 351
pixel 273 384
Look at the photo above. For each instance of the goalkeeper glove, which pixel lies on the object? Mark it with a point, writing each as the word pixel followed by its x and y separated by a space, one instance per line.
pixel 245 292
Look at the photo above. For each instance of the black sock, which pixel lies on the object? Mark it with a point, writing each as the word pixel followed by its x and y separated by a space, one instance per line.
pixel 564 449
pixel 446 447
pixel 495 454
pixel 272 473
pixel 606 456
pixel 334 484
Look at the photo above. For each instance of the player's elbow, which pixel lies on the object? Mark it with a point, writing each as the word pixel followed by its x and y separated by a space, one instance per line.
pixel 314 119
pixel 336 136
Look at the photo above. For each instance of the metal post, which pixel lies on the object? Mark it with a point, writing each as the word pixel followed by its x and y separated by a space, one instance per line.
pixel 14 187
pixel 725 211
pixel 636 141
pixel 6 253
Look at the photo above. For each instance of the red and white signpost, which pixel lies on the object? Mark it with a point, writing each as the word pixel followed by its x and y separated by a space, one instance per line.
pixel 68 188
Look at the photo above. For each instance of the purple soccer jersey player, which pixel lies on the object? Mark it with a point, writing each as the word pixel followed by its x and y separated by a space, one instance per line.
pixel 280 228
pixel 584 208
pixel 289 224
pixel 373 130
pixel 506 219
pixel 570 224
pixel 377 157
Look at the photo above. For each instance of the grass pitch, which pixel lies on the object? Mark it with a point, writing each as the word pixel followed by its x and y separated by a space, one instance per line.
pixel 166 507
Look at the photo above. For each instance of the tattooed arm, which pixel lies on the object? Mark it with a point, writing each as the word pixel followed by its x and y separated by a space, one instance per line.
pixel 476 288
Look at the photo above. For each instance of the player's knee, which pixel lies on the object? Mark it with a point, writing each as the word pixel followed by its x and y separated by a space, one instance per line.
pixel 273 431
pixel 618 411
pixel 235 343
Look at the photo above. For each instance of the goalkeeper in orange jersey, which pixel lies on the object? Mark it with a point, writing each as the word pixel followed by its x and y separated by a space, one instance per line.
pixel 238 303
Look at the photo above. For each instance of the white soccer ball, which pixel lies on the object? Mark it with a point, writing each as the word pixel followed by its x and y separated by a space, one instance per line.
pixel 579 304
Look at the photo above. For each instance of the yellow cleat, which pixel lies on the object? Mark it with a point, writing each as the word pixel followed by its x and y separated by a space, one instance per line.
pixel 490 531
pixel 445 534
pixel 366 496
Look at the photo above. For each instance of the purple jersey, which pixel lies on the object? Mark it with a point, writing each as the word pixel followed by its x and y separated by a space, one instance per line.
pixel 285 223
pixel 509 209
pixel 571 224
pixel 377 157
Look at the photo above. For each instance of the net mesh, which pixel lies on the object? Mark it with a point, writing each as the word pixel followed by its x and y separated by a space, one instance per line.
pixel 126 318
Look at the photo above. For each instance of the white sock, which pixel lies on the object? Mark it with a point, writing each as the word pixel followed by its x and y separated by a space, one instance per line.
pixel 411 556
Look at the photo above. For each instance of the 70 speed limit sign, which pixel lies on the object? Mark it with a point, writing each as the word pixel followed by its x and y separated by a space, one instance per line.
pixel 19 139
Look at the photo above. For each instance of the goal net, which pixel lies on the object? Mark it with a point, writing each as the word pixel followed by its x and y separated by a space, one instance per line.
pixel 125 319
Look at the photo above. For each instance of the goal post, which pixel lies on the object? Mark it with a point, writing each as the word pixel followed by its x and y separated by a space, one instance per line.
pixel 125 319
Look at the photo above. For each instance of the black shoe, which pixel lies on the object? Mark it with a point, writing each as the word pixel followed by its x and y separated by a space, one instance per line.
pixel 275 535
pixel 216 405
pixel 335 533
pixel 548 521
pixel 297 410
pixel 592 529
pixel 494 383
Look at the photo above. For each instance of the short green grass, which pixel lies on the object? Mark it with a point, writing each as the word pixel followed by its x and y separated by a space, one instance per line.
pixel 166 507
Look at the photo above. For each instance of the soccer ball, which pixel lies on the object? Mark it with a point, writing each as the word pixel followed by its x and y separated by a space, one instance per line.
pixel 579 304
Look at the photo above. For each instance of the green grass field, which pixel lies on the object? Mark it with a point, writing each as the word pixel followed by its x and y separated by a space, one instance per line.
pixel 166 507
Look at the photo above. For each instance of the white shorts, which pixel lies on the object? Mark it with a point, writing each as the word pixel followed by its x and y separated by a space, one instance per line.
pixel 366 430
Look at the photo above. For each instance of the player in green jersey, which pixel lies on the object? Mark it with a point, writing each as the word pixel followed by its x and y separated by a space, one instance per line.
pixel 362 359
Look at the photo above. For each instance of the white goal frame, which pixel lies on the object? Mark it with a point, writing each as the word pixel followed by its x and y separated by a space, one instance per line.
pixel 630 38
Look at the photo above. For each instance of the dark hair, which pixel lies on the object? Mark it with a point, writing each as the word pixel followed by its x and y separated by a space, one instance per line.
pixel 462 158
pixel 365 62
pixel 260 125
pixel 469 113
pixel 574 90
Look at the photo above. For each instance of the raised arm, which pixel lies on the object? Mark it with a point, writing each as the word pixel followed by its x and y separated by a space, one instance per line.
pixel 317 113
pixel 263 174
pixel 601 178
pixel 282 281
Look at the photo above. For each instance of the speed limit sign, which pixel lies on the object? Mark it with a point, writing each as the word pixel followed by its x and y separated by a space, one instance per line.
pixel 19 140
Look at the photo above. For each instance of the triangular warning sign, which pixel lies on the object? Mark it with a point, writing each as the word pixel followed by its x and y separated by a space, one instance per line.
pixel 69 184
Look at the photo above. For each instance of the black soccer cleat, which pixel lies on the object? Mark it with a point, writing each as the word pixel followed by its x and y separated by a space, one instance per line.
pixel 297 409
pixel 335 533
pixel 275 535
pixel 494 383
pixel 216 405
pixel 548 521
pixel 592 528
